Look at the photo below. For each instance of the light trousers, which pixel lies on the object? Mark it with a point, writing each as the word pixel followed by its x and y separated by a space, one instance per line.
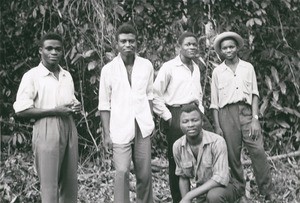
pixel 139 151
pixel 55 147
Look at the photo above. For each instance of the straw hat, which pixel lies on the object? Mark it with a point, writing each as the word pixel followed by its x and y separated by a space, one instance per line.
pixel 222 36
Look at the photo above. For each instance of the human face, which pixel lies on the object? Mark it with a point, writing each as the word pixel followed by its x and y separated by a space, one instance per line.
pixel 189 47
pixel 126 44
pixel 191 124
pixel 51 53
pixel 229 49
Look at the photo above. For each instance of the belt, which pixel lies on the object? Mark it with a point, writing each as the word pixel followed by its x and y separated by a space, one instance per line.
pixel 237 103
pixel 181 105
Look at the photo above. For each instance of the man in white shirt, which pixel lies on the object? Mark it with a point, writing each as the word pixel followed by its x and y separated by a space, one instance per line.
pixel 234 102
pixel 46 94
pixel 125 104
pixel 177 84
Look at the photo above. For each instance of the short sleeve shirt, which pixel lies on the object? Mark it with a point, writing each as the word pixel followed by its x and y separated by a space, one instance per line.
pixel 228 87
pixel 39 88
pixel 211 162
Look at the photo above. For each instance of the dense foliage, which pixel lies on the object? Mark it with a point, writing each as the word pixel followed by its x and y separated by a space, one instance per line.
pixel 270 28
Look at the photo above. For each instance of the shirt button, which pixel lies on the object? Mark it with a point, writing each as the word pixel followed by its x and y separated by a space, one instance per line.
pixel 234 75
pixel 237 88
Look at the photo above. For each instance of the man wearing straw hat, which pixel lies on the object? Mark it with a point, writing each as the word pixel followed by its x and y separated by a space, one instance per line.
pixel 234 101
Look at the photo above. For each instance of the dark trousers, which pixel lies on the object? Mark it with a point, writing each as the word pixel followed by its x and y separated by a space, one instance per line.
pixel 235 122
pixel 173 132
pixel 221 194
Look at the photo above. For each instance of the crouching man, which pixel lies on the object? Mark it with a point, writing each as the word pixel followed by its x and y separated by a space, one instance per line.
pixel 202 162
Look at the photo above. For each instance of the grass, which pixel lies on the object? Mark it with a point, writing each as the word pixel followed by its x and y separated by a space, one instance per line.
pixel 18 182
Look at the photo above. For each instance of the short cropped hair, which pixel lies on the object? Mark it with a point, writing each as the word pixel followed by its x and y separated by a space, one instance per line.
pixel 188 108
pixel 125 28
pixel 50 36
pixel 185 35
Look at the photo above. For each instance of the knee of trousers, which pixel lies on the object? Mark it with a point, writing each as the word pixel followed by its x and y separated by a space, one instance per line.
pixel 214 197
pixel 144 175
pixel 258 151
pixel 122 173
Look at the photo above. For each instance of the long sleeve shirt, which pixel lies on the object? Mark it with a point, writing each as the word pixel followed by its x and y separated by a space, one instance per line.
pixel 176 84
pixel 127 103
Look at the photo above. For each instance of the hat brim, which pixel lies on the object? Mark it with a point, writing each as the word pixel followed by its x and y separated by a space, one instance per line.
pixel 222 36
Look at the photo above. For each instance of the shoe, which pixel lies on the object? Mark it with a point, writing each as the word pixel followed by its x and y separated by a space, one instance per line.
pixel 243 199
pixel 270 197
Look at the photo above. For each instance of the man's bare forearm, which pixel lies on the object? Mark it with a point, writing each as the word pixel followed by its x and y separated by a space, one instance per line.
pixel 105 120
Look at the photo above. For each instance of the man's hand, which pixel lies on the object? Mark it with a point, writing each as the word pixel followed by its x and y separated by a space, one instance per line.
pixel 76 107
pixel 64 110
pixel 255 129
pixel 219 131
pixel 153 134
pixel 107 143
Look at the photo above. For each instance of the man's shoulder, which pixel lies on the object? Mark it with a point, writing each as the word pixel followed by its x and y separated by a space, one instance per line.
pixel 66 72
pixel 178 143
pixel 171 61
pixel 213 136
pixel 34 71
pixel 219 67
pixel 246 64
pixel 169 65
pixel 145 60
pixel 109 65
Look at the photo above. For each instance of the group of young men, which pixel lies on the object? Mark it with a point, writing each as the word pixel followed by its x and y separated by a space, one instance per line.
pixel 203 165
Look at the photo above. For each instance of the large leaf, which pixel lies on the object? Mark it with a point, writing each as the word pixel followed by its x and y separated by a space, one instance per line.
pixel 276 105
pixel 282 86
pixel 276 95
pixel 275 74
pixel 264 106
pixel 282 123
pixel 88 53
pixel 268 82
pixel 92 65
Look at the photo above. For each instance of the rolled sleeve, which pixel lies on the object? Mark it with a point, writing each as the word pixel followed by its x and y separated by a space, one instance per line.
pixel 220 166
pixel 104 90
pixel 176 154
pixel 214 92
pixel 25 95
